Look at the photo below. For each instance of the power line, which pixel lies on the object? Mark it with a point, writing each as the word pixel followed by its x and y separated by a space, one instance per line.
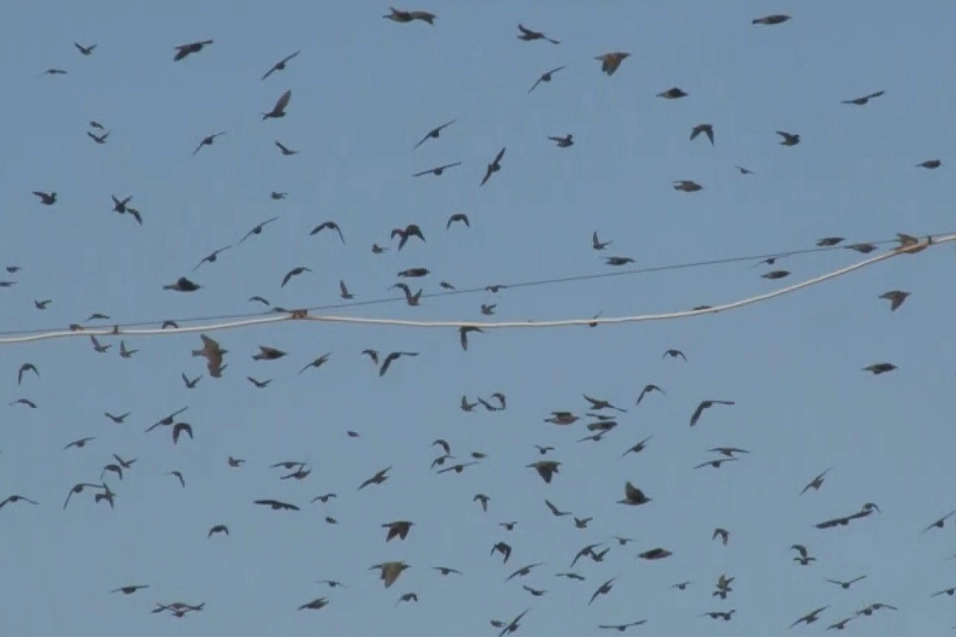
pixel 909 245
pixel 522 284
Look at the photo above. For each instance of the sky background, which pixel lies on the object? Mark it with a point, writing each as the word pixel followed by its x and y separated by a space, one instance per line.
pixel 364 91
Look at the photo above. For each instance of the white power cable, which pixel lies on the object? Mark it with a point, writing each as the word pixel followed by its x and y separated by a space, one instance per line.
pixel 302 315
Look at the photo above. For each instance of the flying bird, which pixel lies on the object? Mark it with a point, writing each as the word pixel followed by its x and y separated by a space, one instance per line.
pixel 258 229
pixel 529 36
pixel 434 133
pixel 184 50
pixel 208 140
pixel 279 109
pixel 611 61
pixel 895 297
pixel 211 257
pixel 328 225
pixel 296 271
pixel 493 167
pixel 707 404
pixel 706 129
pixel 438 170
pixel 860 101
pixel 789 139
pixel 280 65
pixel 545 77
pixel 398 15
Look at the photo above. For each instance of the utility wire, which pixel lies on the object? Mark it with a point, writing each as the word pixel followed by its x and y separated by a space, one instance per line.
pixel 909 245
pixel 759 258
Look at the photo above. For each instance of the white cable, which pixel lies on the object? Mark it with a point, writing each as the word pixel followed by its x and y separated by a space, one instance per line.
pixel 302 315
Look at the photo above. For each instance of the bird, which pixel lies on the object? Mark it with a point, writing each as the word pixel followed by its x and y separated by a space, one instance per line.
pixel 545 77
pixel 434 133
pixel 777 18
pixel 256 230
pixel 213 353
pixel 789 139
pixel 184 50
pixel 880 368
pixel 328 225
pixel 279 109
pixel 267 353
pixel 280 65
pixel 46 198
pixel 563 142
pixel 285 150
pixel 130 589
pixel 707 404
pixel 804 557
pixel 438 170
pixel 649 389
pixel 389 571
pixel 633 496
pixel 674 353
pixel 810 617
pixel 182 284
pixel 598 244
pixel 208 140
pixel 344 291
pixel 673 93
pixel 296 271
pixel 398 529
pixel 938 524
pixel 639 447
pixel 545 468
pixel 706 129
pixel 85 50
pixel 847 583
pixel 219 528
pixel 493 167
pixel 378 478
pixel 723 534
pixel 931 164
pixel 277 505
pixel 611 61
pixel 317 362
pixel 861 101
pixel 895 297
pixel 99 139
pixel 13 499
pixel 817 481
pixel 316 604
pixel 397 15
pixel 529 36
pixel 24 368
pixel 212 257
pixel 392 357
pixel 458 217
pixel 603 589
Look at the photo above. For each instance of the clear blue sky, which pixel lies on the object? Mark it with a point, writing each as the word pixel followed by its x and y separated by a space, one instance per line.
pixel 364 91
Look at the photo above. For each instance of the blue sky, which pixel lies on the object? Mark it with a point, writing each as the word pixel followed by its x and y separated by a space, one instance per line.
pixel 364 91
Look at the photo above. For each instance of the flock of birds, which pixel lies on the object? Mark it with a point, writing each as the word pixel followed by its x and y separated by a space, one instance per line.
pixel 600 416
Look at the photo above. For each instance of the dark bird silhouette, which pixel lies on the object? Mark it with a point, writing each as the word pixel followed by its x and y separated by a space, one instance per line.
pixel 279 109
pixel 463 334
pixel 672 93
pixel 789 139
pixel 13 499
pixel 563 142
pixel 804 557
pixel 47 199
pixel 53 72
pixel 545 77
pixel 603 589
pixel 208 140
pixel 184 50
pixel 938 524
pixel 79 443
pixel 434 133
pixel 398 529
pixel 707 404
pixel 179 428
pixel 285 150
pixel 775 275
pixel 129 590
pixel 317 362
pixel 24 401
pixel 648 389
pixel 529 36
pixel 378 478
pixel 622 627
pixel 611 61
pixel 879 368
pixel 848 583
pixel 438 170
pixel 706 129
pixel 633 496
pixel 219 528
pixel 639 447
pixel 277 505
pixel 714 463
pixel 267 353
pixel 817 482
pixel 316 604
pixel 406 233
pixel 26 367
pixel 391 358
pixel 777 18
pixel 182 284
pixel 296 271
pixel 860 101
pixel 211 257
pixel 895 297
pixel 932 164
pixel 398 15
pixel 458 217
pixel 258 229
pixel 618 261
pixel 78 488
pixel 99 139
pixel 85 50
pixel 674 353
pixel 545 468
pixel 493 167
pixel 810 617
pixel 280 65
